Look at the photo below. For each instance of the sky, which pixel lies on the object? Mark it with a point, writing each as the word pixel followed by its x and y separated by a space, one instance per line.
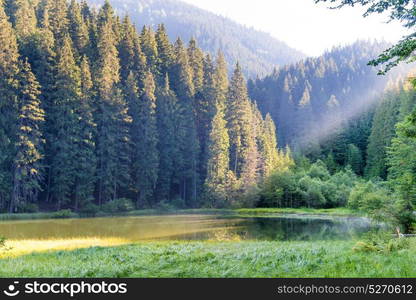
pixel 306 26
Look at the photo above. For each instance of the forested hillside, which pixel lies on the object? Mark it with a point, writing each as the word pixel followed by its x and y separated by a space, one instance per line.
pixel 311 99
pixel 95 114
pixel 258 52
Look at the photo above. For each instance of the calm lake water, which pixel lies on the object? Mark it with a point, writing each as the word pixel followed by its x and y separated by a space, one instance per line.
pixel 189 227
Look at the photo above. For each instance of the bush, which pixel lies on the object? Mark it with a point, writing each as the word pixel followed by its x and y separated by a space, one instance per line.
pixel 178 202
pixel 118 205
pixel 29 208
pixel 63 213
pixel 319 170
pixel 381 242
pixel 89 210
pixel 164 205
pixel 368 197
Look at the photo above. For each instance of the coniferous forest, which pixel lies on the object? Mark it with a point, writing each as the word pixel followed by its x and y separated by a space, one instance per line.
pixel 97 115
pixel 94 111
pixel 199 147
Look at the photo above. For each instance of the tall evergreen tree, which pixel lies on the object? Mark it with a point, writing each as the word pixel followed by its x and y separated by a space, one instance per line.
pixel 168 148
pixel 85 160
pixel 218 159
pixel 149 47
pixel 23 16
pixel 78 28
pixel 9 69
pixel 58 19
pixel 132 58
pixel 145 141
pixel 187 162
pixel 242 137
pixel 196 63
pixel 27 168
pixel 112 119
pixel 64 125
pixel 269 161
pixel 165 52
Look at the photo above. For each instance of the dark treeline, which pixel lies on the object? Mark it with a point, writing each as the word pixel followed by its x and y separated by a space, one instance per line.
pixel 93 112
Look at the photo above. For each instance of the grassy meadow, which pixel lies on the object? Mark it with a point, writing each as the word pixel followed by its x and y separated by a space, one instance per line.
pixel 215 259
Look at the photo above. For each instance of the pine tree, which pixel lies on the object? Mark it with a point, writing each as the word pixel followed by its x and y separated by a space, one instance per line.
pixel 64 124
pixel 23 16
pixel 382 132
pixel 218 159
pixel 205 102
pixel 149 47
pixel 165 52
pixel 8 103
pixel 112 119
pixel 168 148
pixel 196 63
pixel 28 145
pixel 58 19
pixel 269 161
pixel 187 162
pixel 243 150
pixel 132 59
pixel 144 136
pixel 78 28
pixel 86 160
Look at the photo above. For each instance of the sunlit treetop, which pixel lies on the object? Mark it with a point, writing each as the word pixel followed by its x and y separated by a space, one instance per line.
pixel 399 10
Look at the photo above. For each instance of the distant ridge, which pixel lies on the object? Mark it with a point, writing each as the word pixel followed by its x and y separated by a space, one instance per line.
pixel 258 52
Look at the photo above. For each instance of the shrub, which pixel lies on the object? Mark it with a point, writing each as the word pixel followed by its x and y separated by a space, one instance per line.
pixel 368 197
pixel 62 214
pixel 381 242
pixel 164 205
pixel 319 170
pixel 178 202
pixel 89 210
pixel 29 208
pixel 118 205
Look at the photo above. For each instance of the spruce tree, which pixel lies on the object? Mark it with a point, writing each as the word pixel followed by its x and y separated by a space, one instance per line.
pixel 149 47
pixel 269 155
pixel 58 20
pixel 111 117
pixel 64 122
pixel 86 160
pixel 78 29
pixel 23 16
pixel 205 102
pixel 165 52
pixel 144 136
pixel 27 169
pixel 196 63
pixel 168 147
pixel 242 136
pixel 218 159
pixel 132 58
pixel 187 162
pixel 9 69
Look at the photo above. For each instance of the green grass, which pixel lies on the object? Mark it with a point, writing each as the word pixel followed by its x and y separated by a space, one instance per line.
pixel 216 259
pixel 340 211
pixel 146 212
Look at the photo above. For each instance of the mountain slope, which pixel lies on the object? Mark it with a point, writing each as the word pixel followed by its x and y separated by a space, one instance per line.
pixel 258 52
pixel 311 99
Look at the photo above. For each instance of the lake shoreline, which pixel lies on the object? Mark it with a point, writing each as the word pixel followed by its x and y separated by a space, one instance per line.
pixel 341 211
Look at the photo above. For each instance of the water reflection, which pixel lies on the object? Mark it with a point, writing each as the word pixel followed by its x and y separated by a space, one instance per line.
pixel 187 227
